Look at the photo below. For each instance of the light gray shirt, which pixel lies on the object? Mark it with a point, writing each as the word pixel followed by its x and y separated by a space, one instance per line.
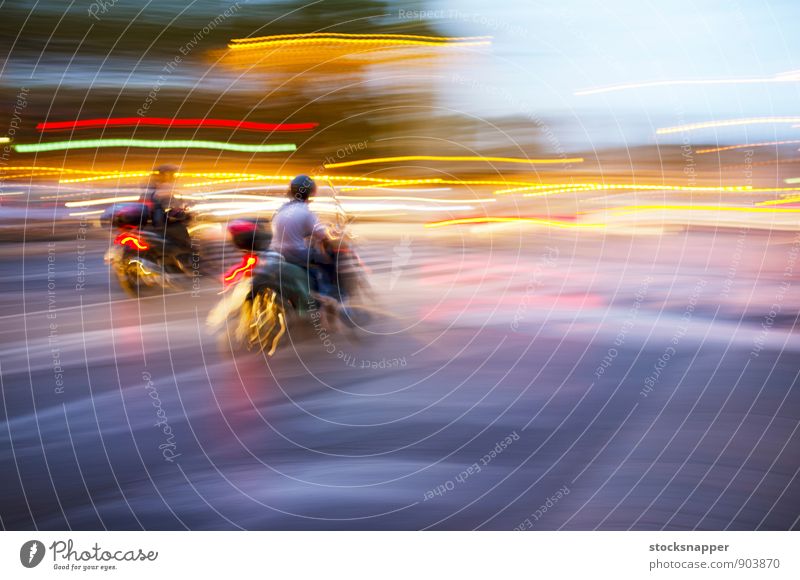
pixel 291 225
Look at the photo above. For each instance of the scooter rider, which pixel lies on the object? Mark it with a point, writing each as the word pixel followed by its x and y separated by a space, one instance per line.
pixel 167 217
pixel 158 196
pixel 297 232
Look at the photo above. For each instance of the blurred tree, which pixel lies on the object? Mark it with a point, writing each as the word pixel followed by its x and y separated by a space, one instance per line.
pixel 104 58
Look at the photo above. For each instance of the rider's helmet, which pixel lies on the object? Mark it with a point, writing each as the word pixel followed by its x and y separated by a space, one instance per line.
pixel 166 172
pixel 167 168
pixel 302 188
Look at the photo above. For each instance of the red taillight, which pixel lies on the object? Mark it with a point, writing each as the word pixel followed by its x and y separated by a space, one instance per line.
pixel 133 241
pixel 241 270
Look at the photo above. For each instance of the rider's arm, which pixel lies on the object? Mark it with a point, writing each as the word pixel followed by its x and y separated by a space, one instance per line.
pixel 316 231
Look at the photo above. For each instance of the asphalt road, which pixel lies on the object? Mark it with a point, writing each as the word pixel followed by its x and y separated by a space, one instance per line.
pixel 524 380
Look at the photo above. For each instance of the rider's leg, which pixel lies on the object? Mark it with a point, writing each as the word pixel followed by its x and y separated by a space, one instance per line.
pixel 179 243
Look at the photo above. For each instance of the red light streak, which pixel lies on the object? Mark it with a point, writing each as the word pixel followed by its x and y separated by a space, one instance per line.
pixel 244 269
pixel 131 241
pixel 167 122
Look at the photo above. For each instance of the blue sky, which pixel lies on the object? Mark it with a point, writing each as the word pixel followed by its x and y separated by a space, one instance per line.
pixel 544 51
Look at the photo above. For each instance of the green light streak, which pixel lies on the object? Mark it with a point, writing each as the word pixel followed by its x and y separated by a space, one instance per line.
pixel 153 144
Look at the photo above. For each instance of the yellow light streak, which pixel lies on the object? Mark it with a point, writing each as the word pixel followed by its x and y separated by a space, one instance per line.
pixel 213 195
pixel 102 201
pixel 570 188
pixel 792 199
pixel 748 146
pixel 378 182
pixel 496 220
pixel 546 190
pixel 107 176
pixel 321 205
pixel 200 227
pixel 786 77
pixel 255 197
pixel 332 38
pixel 454 158
pixel 45 168
pixel 727 123
pixel 356 36
pixel 641 208
pixel 277 336
pixel 360 42
pixel 141 267
pixel 596 225
pixel 413 198
pixel 13 176
pixel 219 178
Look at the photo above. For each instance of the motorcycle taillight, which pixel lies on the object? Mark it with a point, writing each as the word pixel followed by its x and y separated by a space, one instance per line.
pixel 245 268
pixel 133 241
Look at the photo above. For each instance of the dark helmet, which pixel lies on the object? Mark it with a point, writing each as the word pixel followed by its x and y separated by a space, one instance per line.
pixel 166 169
pixel 165 173
pixel 302 187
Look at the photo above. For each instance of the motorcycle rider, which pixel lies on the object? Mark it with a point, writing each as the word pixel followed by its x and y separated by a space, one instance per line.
pixel 297 233
pixel 158 196
pixel 166 215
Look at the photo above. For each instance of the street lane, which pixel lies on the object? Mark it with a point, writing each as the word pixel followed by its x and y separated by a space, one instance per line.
pixel 480 397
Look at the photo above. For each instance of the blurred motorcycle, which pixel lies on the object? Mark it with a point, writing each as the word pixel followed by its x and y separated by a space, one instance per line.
pixel 265 297
pixel 146 261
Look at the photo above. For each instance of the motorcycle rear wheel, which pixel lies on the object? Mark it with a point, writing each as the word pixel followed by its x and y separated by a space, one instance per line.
pixel 265 321
pixel 134 281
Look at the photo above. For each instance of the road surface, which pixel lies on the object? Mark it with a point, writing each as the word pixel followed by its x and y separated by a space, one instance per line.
pixel 532 379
